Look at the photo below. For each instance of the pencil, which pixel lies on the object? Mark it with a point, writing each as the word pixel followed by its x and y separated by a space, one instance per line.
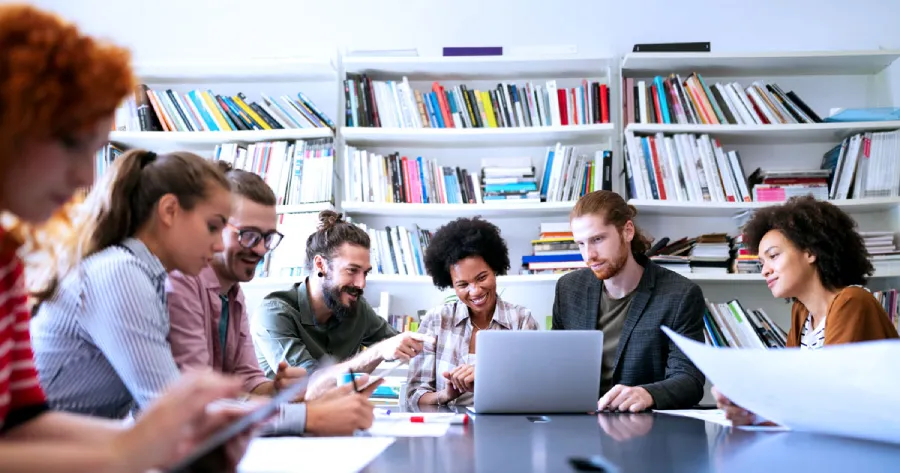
pixel 353 379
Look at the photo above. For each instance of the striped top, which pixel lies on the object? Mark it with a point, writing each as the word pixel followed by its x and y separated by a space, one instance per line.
pixel 21 397
pixel 101 341
pixel 812 339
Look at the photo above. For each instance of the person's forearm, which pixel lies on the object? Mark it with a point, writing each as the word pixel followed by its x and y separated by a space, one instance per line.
pixel 680 391
pixel 431 399
pixel 49 457
pixel 264 389
pixel 365 362
pixel 63 427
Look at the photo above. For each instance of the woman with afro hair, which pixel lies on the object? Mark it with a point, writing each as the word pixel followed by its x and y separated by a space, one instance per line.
pixel 466 254
pixel 812 254
pixel 59 91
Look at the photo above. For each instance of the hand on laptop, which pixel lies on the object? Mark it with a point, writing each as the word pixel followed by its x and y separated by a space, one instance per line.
pixel 625 399
pixel 403 347
pixel 341 411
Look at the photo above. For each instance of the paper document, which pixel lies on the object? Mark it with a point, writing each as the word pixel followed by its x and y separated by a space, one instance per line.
pixel 311 454
pixel 716 416
pixel 847 390
pixel 388 428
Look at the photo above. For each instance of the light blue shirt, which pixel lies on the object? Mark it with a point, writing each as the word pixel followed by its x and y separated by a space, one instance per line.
pixel 100 343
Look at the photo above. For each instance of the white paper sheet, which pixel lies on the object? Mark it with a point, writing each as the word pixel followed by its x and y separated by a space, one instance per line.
pixel 848 390
pixel 716 416
pixel 312 454
pixel 393 428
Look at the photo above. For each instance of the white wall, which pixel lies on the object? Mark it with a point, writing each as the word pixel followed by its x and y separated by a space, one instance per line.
pixel 170 29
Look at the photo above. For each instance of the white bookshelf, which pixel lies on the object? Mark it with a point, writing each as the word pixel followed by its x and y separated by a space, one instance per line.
pixel 773 134
pixel 312 207
pixel 824 80
pixel 728 209
pixel 775 63
pixel 205 140
pixel 478 137
pixel 464 148
pixel 488 210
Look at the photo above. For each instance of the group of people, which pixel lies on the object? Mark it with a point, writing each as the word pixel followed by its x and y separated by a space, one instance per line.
pixel 139 322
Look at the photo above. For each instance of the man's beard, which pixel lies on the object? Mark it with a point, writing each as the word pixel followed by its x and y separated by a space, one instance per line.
pixel 332 294
pixel 612 268
pixel 247 273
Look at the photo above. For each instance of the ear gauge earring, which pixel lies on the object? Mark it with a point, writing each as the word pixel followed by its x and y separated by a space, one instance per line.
pixel 320 274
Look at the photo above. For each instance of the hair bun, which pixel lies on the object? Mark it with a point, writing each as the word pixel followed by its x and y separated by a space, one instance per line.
pixel 633 210
pixel 328 219
pixel 224 166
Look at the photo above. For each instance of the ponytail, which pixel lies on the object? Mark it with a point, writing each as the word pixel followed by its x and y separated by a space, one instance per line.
pixel 124 201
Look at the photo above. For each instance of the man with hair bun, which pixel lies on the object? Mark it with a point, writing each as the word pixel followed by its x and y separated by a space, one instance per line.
pixel 326 314
pixel 628 297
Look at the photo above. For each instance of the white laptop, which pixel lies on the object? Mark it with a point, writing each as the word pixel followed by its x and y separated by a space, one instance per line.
pixel 537 371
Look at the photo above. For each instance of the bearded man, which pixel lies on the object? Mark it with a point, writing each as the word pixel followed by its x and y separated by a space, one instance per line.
pixel 629 298
pixel 325 314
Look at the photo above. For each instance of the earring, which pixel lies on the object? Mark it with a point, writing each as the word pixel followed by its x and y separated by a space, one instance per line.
pixel 320 274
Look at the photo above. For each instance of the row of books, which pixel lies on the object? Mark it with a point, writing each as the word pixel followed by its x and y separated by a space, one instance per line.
pixel 684 167
pixel 394 104
pixel 864 165
pixel 397 250
pixel 298 171
pixel 728 324
pixel 692 101
pixel 395 178
pixel 202 110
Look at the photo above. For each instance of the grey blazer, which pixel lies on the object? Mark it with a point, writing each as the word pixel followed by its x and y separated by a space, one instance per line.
pixel 646 357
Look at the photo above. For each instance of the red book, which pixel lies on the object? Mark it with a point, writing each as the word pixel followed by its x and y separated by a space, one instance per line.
pixel 563 109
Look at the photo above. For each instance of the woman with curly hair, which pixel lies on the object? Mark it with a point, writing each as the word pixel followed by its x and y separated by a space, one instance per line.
pixel 58 93
pixel 467 254
pixel 811 253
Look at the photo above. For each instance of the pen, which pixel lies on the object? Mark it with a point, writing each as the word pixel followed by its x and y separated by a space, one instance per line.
pixel 353 379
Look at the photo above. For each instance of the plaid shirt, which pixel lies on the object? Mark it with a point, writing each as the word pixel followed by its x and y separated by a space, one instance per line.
pixel 452 329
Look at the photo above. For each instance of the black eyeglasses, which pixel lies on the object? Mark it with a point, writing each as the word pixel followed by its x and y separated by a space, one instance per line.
pixel 250 237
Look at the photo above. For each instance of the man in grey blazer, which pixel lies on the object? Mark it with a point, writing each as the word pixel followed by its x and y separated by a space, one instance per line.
pixel 629 297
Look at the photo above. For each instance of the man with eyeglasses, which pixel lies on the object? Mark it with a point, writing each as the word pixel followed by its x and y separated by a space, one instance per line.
pixel 209 326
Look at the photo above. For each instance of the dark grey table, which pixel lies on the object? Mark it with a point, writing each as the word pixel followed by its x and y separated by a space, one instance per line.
pixel 628 443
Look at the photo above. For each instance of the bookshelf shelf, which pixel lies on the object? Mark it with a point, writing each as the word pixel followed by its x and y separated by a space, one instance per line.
pixel 304 208
pixel 209 139
pixel 524 279
pixel 449 211
pixel 727 209
pixel 479 67
pixel 480 137
pixel 247 71
pixel 767 63
pixel 794 133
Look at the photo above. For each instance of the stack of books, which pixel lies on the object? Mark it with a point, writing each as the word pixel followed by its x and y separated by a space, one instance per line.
pixel 398 250
pixel 712 254
pixel 745 262
pixel 509 179
pixel 555 251
pixel 778 186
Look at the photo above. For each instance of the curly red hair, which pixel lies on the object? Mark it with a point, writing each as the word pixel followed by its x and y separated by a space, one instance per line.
pixel 54 80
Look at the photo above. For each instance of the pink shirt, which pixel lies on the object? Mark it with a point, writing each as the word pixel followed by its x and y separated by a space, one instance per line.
pixel 194 312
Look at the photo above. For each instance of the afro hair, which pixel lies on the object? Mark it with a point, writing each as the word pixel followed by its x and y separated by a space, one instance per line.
pixel 460 239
